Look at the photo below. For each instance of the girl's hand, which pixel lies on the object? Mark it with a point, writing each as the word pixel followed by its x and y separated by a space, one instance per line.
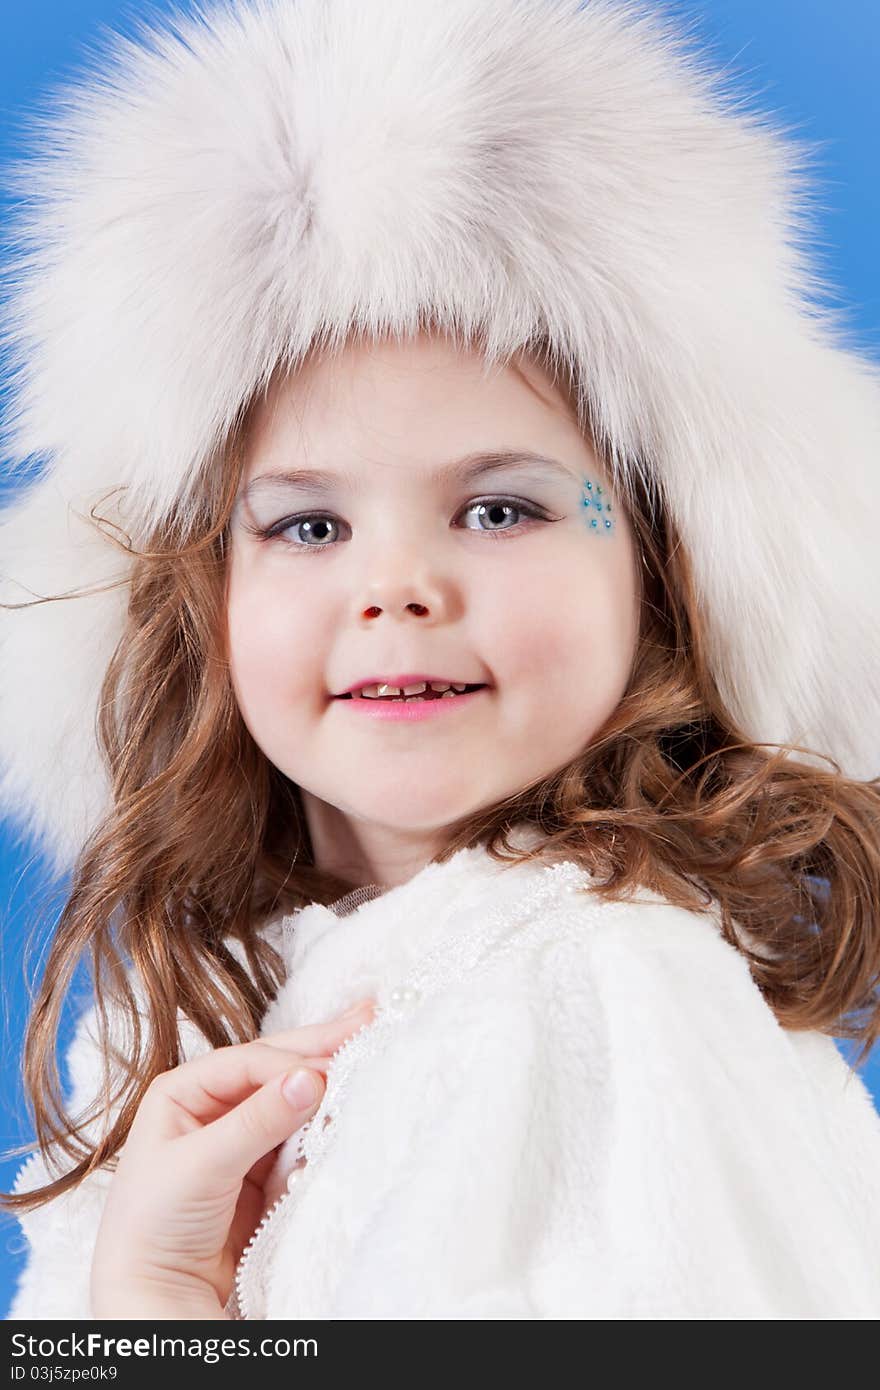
pixel 187 1193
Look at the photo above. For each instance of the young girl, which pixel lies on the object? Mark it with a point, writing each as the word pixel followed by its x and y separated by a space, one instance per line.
pixel 450 596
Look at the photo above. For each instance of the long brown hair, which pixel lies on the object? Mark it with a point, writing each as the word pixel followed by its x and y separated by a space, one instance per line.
pixel 205 839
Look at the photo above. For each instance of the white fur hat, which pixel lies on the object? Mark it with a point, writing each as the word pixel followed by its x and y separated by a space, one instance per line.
pixel 231 186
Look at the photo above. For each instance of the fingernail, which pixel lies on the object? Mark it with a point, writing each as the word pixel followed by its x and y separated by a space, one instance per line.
pixel 300 1089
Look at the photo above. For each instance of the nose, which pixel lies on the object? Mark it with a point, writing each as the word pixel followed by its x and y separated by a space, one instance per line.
pixel 426 599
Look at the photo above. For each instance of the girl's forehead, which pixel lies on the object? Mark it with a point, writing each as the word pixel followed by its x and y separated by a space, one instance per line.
pixel 425 396
pixel 424 368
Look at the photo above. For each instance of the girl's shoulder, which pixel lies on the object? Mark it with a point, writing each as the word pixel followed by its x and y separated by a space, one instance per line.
pixel 649 999
pixel 543 936
pixel 577 922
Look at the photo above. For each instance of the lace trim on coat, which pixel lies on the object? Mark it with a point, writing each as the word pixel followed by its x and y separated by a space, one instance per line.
pixel 343 906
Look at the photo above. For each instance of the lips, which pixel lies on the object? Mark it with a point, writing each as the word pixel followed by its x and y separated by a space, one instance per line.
pixel 415 709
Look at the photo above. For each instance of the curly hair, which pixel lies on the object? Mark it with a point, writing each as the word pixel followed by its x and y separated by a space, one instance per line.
pixel 205 839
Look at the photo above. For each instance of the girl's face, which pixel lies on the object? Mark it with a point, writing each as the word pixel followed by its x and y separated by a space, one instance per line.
pixel 398 561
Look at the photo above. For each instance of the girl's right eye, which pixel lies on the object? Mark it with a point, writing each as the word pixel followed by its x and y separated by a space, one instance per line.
pixel 313 525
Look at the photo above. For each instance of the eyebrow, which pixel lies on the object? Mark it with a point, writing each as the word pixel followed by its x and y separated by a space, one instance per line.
pixel 462 470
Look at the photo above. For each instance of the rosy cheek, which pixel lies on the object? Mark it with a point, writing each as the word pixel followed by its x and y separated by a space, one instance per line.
pixel 251 642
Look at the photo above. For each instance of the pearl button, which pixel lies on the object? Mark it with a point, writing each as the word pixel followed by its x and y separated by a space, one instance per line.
pixel 405 995
pixel 292 1178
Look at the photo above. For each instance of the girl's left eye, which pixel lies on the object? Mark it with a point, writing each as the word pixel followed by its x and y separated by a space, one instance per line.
pixel 491 509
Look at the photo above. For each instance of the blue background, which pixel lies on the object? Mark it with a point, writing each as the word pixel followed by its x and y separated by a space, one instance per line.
pixel 813 62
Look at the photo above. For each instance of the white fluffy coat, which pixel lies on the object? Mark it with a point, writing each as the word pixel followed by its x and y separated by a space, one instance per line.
pixel 603 1119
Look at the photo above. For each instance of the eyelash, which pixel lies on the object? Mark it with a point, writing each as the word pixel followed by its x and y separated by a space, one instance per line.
pixel 276 530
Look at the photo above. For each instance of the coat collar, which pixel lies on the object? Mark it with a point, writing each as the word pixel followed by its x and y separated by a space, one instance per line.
pixel 332 962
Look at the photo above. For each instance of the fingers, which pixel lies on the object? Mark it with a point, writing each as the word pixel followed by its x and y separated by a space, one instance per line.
pixel 322 1037
pixel 198 1092
pixel 233 1144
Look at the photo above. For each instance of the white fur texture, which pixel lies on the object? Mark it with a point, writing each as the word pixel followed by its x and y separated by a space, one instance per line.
pixel 233 186
pixel 609 1125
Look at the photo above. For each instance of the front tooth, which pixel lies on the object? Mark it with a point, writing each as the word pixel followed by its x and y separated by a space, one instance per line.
pixel 415 689
pixel 440 685
pixel 372 692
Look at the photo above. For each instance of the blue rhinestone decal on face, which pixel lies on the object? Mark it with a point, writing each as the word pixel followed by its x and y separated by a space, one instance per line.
pixel 598 512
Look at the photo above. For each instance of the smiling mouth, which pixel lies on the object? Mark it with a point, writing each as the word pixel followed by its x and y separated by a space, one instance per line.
pixel 428 694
